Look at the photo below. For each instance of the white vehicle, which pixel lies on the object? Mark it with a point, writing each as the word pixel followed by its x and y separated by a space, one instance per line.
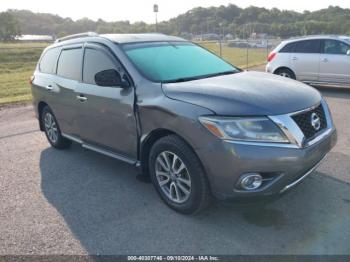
pixel 313 59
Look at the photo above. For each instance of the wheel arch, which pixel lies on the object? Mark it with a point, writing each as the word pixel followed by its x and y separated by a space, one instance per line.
pixel 41 106
pixel 147 143
pixel 284 67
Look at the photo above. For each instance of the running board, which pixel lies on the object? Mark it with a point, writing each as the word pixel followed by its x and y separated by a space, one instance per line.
pixel 336 85
pixel 103 151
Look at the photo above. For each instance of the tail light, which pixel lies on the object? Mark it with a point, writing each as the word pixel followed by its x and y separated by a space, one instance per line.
pixel 271 56
pixel 31 79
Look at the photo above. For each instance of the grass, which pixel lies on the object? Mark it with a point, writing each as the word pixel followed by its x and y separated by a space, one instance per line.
pixel 238 56
pixel 18 60
pixel 17 63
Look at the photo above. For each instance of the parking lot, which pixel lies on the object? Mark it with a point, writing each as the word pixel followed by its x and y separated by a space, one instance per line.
pixel 80 202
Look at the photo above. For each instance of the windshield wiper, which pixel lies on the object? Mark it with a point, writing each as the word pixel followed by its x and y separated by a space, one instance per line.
pixel 184 79
pixel 222 73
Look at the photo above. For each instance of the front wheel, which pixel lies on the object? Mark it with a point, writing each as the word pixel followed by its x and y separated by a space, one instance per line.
pixel 178 176
pixel 52 130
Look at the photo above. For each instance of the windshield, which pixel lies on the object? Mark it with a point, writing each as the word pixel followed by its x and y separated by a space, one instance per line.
pixel 175 61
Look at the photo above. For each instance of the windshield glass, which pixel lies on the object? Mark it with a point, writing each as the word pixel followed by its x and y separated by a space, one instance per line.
pixel 175 61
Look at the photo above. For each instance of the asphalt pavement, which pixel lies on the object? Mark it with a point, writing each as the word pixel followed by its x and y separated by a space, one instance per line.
pixel 79 202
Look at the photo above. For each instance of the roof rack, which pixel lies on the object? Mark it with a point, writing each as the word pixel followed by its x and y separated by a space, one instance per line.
pixel 69 37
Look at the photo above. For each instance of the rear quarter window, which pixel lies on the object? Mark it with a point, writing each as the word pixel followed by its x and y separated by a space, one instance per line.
pixel 48 61
pixel 288 48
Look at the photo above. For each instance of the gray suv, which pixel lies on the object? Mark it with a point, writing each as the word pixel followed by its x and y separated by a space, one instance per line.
pixel 199 126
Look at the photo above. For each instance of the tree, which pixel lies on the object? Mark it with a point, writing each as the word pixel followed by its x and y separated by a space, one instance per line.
pixel 9 26
pixel 228 19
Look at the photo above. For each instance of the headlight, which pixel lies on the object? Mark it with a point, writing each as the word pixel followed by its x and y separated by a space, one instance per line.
pixel 254 129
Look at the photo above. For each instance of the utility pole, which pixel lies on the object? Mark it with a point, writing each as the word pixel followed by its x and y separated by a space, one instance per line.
pixel 220 39
pixel 247 54
pixel 155 10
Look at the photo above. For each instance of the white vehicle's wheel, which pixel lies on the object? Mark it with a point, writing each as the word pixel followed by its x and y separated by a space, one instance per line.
pixel 285 72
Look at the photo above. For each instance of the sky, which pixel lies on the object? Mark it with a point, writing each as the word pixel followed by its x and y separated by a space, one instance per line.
pixel 142 10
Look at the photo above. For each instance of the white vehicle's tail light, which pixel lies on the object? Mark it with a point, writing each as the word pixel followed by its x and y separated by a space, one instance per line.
pixel 271 56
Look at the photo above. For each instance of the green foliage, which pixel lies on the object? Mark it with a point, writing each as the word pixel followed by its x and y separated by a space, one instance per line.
pixel 229 19
pixel 9 26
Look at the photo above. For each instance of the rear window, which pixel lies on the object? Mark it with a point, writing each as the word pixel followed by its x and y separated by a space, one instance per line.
pixel 69 64
pixel 308 46
pixel 48 61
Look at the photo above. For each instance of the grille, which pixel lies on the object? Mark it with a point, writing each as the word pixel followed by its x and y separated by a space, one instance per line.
pixel 303 120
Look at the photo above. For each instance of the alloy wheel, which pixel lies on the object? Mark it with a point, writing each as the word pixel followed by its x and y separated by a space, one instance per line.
pixel 284 74
pixel 51 127
pixel 173 177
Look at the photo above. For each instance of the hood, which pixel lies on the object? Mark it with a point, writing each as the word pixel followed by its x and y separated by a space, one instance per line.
pixel 245 93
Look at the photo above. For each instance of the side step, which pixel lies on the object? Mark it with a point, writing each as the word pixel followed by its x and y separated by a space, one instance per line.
pixel 103 151
pixel 335 85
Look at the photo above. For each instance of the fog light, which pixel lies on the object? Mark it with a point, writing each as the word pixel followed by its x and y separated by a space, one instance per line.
pixel 251 181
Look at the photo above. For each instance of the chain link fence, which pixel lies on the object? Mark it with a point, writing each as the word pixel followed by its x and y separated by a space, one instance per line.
pixel 243 53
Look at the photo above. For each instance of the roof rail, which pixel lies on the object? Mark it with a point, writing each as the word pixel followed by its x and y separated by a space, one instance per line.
pixel 68 37
pixel 313 36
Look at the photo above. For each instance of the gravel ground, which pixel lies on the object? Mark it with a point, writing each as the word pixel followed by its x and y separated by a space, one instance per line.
pixel 79 202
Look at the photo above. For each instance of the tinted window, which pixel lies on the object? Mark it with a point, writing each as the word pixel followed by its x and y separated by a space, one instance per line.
pixel 176 61
pixel 335 47
pixel 69 64
pixel 96 61
pixel 288 48
pixel 308 46
pixel 48 61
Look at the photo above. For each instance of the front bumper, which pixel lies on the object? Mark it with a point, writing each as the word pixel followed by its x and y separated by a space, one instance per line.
pixel 225 162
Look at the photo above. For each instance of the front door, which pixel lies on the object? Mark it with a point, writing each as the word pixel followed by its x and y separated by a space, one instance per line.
pixel 106 114
pixel 335 62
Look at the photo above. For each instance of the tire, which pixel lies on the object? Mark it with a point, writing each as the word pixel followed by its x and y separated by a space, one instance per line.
pixel 285 72
pixel 173 184
pixel 52 130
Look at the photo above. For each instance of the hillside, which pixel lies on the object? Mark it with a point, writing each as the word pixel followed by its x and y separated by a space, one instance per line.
pixel 220 20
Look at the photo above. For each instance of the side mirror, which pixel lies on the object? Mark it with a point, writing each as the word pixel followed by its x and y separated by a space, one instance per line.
pixel 348 53
pixel 111 78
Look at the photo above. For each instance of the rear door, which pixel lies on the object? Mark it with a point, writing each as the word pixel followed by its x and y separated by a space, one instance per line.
pixel 334 62
pixel 68 75
pixel 305 60
pixel 106 114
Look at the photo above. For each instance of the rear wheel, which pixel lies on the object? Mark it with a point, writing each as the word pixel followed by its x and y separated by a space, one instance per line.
pixel 285 72
pixel 52 130
pixel 178 176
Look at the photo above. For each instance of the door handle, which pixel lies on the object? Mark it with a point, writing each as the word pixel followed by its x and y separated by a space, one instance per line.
pixel 81 98
pixel 294 58
pixel 49 87
pixel 325 60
